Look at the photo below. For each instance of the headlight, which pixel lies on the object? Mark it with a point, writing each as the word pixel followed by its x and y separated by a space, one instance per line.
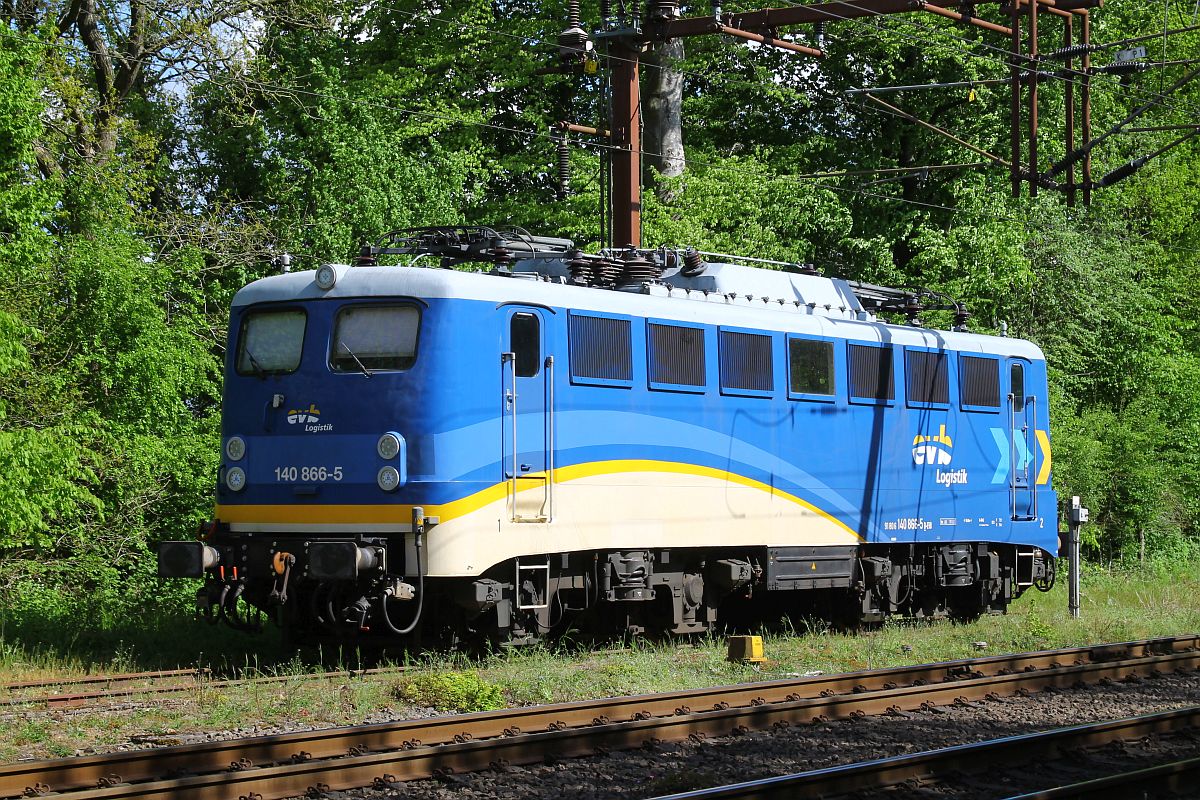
pixel 388 479
pixel 326 277
pixel 235 479
pixel 235 448
pixel 388 446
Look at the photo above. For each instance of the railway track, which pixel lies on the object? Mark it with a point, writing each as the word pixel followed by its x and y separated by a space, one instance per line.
pixel 1177 776
pixel 1033 748
pixel 73 691
pixel 132 684
pixel 293 764
pixel 107 680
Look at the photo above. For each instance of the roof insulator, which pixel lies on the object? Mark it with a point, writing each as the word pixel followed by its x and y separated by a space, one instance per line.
pixel 366 257
pixel 693 263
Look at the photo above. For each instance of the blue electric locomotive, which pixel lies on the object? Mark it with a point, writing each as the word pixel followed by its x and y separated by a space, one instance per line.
pixel 641 440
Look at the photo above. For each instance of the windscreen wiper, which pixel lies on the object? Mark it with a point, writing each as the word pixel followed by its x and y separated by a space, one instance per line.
pixel 361 365
pixel 257 367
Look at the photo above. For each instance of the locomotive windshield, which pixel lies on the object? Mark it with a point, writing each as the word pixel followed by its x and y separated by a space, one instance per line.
pixel 374 337
pixel 271 341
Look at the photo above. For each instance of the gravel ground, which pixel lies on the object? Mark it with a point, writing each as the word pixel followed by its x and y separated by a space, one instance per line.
pixel 680 767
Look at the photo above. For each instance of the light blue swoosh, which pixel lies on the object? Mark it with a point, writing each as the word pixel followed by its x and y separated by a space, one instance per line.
pixel 465 450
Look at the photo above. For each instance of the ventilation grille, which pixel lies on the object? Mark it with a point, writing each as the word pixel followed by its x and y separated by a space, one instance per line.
pixel 871 373
pixel 746 361
pixel 601 348
pixel 927 381
pixel 979 381
pixel 676 355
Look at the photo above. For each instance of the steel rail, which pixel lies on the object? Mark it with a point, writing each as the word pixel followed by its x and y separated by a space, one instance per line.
pixel 198 682
pixel 89 680
pixel 578 728
pixel 1178 776
pixel 932 764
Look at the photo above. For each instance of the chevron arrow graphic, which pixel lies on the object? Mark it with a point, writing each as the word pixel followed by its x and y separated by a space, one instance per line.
pixel 1002 447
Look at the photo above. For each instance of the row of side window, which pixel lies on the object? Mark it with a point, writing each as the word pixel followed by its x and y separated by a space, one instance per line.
pixel 601 353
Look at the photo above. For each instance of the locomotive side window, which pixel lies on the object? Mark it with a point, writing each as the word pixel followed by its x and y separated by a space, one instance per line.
pixel 1017 385
pixel 367 338
pixel 526 341
pixel 676 355
pixel 746 362
pixel 271 342
pixel 871 374
pixel 979 383
pixel 601 350
pixel 810 367
pixel 926 374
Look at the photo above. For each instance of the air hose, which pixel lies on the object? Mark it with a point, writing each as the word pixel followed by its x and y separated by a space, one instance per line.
pixel 419 528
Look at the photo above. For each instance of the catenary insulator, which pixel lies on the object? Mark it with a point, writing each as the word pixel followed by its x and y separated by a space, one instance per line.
pixel 563 164
pixel 819 34
pixel 573 44
pixel 1071 51
pixel 1122 68
pixel 664 9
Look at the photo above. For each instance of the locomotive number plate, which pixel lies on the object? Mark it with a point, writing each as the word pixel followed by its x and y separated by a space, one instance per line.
pixel 307 474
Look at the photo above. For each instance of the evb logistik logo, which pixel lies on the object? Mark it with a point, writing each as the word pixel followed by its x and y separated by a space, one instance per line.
pixel 309 417
pixel 937 451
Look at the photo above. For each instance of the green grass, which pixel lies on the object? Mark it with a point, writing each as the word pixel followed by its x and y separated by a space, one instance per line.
pixel 1117 605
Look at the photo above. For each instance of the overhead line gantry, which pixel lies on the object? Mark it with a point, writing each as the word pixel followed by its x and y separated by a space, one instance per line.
pixel 627 31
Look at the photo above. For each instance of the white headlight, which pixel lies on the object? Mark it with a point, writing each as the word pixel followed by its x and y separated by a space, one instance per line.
pixel 235 448
pixel 388 446
pixel 235 479
pixel 326 276
pixel 388 479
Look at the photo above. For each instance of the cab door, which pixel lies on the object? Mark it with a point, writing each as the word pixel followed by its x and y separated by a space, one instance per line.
pixel 1021 416
pixel 528 385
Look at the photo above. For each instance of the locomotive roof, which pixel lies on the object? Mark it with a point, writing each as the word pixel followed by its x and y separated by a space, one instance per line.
pixel 768 299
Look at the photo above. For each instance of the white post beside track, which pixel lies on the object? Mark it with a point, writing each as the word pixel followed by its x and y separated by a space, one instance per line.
pixel 1078 516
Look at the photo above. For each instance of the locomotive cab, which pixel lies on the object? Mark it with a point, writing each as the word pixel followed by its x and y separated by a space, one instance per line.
pixel 323 391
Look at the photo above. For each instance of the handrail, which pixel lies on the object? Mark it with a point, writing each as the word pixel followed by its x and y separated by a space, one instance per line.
pixel 1012 454
pixel 1031 402
pixel 511 360
pixel 549 378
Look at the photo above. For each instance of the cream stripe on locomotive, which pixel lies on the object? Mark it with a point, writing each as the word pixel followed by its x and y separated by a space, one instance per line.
pixel 610 504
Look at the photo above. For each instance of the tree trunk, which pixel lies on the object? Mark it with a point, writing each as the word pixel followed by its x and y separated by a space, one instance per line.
pixel 662 110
